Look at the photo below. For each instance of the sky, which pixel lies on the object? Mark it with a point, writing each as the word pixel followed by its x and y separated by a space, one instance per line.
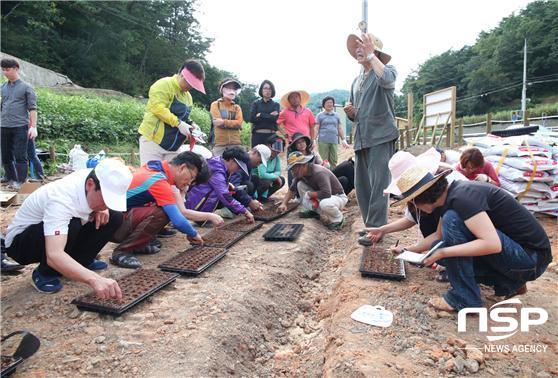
pixel 301 44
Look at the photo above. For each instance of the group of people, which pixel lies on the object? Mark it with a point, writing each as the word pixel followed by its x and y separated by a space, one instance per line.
pixel 488 236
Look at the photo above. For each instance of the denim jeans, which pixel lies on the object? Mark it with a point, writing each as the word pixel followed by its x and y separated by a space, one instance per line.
pixel 37 167
pixel 506 271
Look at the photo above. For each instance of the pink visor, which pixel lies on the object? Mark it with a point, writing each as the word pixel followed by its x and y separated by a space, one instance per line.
pixel 196 83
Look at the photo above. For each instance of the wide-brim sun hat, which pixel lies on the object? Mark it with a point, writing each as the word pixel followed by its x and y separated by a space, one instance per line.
pixel 297 136
pixel 415 181
pixel 402 160
pixel 353 42
pixel 194 82
pixel 304 98
pixel 114 179
pixel 296 158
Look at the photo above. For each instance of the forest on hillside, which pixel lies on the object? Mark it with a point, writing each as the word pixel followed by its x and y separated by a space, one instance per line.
pixel 126 46
pixel 489 74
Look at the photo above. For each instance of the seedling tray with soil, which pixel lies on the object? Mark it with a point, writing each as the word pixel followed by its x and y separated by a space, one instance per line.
pixel 283 232
pixel 9 364
pixel 242 225
pixel 194 260
pixel 220 238
pixel 270 213
pixel 135 287
pixel 381 263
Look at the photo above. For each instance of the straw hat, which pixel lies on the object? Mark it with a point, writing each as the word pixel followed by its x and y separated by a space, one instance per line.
pixel 304 98
pixel 402 160
pixel 353 42
pixel 296 158
pixel 415 181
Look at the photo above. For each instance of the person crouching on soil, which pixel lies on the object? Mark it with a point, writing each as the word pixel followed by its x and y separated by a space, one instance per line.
pixel 267 178
pixel 321 193
pixel 489 237
pixel 63 225
pixel 152 203
pixel 207 197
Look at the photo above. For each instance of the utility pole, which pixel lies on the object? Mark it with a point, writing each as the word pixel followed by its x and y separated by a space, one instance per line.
pixel 363 25
pixel 524 93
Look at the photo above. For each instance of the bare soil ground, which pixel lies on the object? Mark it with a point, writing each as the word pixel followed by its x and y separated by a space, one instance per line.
pixel 275 309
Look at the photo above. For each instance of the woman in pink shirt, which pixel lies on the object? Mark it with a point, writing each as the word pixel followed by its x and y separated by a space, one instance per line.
pixel 295 117
pixel 473 166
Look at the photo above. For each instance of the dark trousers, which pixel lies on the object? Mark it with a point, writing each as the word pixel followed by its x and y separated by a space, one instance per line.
pixel 14 152
pixel 506 271
pixel 259 138
pixel 83 244
pixel 34 159
pixel 270 186
pixel 139 226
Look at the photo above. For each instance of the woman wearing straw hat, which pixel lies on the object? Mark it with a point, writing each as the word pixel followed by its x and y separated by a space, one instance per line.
pixel 371 108
pixel 489 237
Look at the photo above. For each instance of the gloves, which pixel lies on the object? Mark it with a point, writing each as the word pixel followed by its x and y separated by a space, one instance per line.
pixel 32 133
pixel 482 178
pixel 184 128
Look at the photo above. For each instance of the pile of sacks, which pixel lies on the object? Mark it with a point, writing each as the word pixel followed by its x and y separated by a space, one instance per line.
pixel 527 167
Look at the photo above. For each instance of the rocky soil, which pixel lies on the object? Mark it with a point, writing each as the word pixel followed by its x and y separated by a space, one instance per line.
pixel 276 309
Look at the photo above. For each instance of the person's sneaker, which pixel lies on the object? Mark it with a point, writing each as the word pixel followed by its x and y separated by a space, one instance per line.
pixel 166 233
pixel 45 284
pixel 4 180
pixel 8 265
pixel 522 290
pixel 307 214
pixel 97 265
pixel 156 243
pixel 146 250
pixel 363 240
pixel 337 225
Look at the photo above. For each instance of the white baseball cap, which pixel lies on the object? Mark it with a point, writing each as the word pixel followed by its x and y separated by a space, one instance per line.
pixel 115 178
pixel 265 153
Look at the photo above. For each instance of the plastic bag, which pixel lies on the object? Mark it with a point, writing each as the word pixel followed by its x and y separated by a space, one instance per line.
pixel 373 315
pixel 78 158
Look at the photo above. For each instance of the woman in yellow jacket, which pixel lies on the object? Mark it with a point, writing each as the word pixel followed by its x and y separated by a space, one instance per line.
pixel 166 122
pixel 226 118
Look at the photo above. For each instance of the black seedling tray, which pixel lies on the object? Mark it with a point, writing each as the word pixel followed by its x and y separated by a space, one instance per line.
pixel 269 213
pixel 395 267
pixel 242 226
pixel 194 260
pixel 135 287
pixel 283 232
pixel 516 131
pixel 222 238
pixel 9 365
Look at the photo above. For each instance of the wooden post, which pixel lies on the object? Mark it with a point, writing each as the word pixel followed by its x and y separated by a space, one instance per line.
pixel 52 152
pixel 460 133
pixel 132 157
pixel 526 118
pixel 410 110
pixel 488 123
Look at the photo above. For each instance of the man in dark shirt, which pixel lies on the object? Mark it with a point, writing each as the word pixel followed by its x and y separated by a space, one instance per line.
pixel 489 237
pixel 19 122
pixel 321 192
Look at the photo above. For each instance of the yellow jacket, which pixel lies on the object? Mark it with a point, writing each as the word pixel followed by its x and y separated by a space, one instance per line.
pixel 166 107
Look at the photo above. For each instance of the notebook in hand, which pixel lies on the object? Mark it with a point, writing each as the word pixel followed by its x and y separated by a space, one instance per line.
pixel 418 258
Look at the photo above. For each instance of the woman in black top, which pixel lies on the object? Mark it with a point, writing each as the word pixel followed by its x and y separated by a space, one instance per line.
pixel 264 113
